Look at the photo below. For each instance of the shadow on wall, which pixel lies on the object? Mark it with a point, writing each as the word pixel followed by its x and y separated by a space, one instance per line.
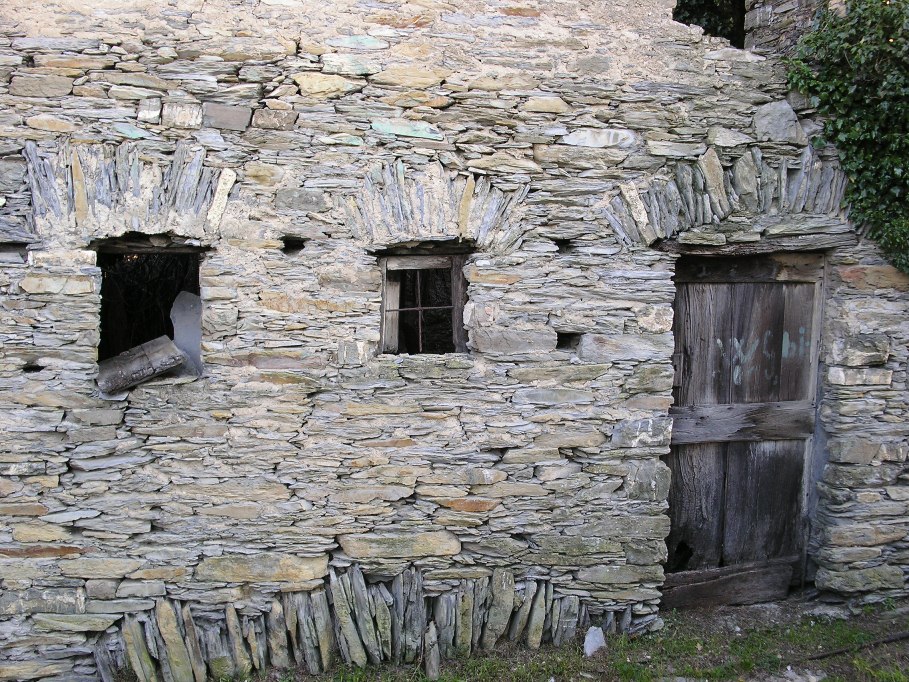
pixel 721 18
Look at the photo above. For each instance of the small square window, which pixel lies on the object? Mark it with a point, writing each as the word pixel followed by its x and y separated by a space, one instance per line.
pixel 423 304
pixel 138 292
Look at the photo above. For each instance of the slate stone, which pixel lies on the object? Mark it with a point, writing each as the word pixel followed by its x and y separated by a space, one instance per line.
pixel 274 120
pixel 225 116
pixel 300 199
pixel 262 567
pixel 777 122
pixel 40 86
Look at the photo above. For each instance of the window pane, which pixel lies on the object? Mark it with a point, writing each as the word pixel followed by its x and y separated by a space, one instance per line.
pixel 434 288
pixel 437 337
pixel 409 332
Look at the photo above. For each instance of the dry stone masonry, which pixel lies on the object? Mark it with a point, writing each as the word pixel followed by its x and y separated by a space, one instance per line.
pixel 306 500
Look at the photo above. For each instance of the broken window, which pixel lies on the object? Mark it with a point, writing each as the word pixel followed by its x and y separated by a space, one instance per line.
pixel 423 304
pixel 721 18
pixel 149 304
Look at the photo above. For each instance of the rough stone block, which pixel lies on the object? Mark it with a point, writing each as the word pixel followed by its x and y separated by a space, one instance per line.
pixel 182 115
pixel 623 574
pixel 261 567
pixel 225 116
pixel 410 77
pixel 300 199
pixel 90 567
pixel 613 347
pixel 40 86
pixel 46 600
pixel 633 433
pixel 852 451
pixel 861 580
pixel 859 350
pixel 89 622
pixel 513 341
pixel 271 119
pixel 841 376
pixel 400 545
pixel 777 122
pixel 323 86
pixel 865 535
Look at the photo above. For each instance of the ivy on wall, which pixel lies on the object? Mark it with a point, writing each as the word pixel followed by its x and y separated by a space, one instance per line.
pixel 854 67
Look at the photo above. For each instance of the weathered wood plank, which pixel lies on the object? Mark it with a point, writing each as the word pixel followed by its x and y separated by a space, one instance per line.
pixel 735 585
pixel 391 318
pixel 777 267
pixel 701 317
pixel 804 242
pixel 696 499
pixel 797 345
pixel 763 503
pixel 417 262
pixel 139 364
pixel 458 299
pixel 742 422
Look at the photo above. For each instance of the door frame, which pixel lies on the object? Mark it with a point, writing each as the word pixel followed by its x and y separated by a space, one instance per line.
pixel 723 585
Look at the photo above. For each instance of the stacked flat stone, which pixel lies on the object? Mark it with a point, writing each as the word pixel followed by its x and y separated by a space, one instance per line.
pixel 307 500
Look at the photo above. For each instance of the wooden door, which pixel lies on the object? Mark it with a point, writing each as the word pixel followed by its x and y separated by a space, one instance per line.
pixel 745 384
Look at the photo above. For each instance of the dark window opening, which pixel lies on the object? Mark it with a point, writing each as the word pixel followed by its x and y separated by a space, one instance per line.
pixel 720 18
pixel 138 290
pixel 423 304
pixel 31 368
pixel 293 245
pixel 567 340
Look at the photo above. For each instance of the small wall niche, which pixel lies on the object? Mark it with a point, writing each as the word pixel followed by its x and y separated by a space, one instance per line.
pixel 567 340
pixel 565 245
pixel 292 245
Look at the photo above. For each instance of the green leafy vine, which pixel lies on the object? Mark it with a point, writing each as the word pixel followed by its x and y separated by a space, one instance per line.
pixel 854 67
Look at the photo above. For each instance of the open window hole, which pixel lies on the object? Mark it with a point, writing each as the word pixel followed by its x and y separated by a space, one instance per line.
pixel 293 245
pixel 564 245
pixel 719 18
pixel 567 340
pixel 32 367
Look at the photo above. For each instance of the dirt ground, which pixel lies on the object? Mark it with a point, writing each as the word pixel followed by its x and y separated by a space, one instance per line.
pixel 790 640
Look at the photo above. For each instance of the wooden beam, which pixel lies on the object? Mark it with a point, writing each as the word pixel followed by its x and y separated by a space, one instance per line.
pixel 790 420
pixel 807 242
pixel 417 262
pixel 778 267
pixel 139 364
pixel 743 584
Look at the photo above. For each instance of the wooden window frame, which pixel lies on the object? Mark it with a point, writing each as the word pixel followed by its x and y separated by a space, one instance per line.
pixel 391 296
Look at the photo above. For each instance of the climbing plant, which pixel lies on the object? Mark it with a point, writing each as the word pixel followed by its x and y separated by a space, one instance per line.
pixel 854 67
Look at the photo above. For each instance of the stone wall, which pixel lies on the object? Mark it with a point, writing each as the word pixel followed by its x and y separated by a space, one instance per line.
pixel 774 26
pixel 306 498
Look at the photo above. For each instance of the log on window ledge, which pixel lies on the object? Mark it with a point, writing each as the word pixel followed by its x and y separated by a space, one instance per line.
pixel 139 364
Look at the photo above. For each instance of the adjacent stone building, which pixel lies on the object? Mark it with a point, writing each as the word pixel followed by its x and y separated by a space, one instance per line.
pixel 329 477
